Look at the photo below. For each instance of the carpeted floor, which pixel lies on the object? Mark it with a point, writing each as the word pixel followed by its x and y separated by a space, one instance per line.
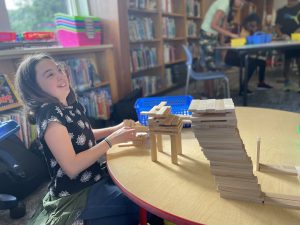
pixel 275 98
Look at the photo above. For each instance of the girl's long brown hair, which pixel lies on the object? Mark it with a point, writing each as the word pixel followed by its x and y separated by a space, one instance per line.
pixel 30 92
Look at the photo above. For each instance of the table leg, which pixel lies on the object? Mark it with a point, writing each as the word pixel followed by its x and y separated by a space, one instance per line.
pixel 246 79
pixel 143 216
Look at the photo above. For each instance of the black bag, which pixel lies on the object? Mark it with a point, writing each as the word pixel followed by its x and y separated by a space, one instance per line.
pixel 21 171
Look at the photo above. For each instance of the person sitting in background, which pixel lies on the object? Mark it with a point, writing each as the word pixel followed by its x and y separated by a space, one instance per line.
pixel 249 27
pixel 287 22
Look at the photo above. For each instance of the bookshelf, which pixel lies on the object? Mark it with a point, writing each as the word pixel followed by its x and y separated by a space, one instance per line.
pixel 92 75
pixel 148 37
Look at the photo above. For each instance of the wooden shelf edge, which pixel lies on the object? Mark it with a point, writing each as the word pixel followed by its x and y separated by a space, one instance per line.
pixel 135 73
pixel 146 11
pixel 174 62
pixel 144 41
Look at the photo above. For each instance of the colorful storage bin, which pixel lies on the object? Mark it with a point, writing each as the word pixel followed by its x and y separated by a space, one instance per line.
pixel 295 36
pixel 236 42
pixel 179 105
pixel 7 36
pixel 78 30
pixel 259 38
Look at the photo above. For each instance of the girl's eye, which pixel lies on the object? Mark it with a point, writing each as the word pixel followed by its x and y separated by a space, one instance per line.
pixel 49 75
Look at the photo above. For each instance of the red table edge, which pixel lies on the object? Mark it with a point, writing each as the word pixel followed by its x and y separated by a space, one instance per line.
pixel 150 208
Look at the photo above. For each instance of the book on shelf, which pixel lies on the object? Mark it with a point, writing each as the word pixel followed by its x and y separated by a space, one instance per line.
pixel 193 8
pixel 83 74
pixel 141 28
pixel 169 53
pixel 149 84
pixel 191 28
pixel 168 27
pixel 167 6
pixel 8 96
pixel 143 58
pixel 142 4
pixel 97 102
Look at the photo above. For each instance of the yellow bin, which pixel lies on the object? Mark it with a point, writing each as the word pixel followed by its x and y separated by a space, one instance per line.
pixel 236 42
pixel 296 36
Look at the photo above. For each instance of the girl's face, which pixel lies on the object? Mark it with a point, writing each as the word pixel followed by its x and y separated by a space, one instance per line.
pixel 53 80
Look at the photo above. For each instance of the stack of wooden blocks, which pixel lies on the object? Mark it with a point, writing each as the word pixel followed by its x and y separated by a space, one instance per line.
pixel 215 126
pixel 141 136
pixel 162 122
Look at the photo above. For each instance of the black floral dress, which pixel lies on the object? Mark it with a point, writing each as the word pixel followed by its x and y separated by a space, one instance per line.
pixel 80 132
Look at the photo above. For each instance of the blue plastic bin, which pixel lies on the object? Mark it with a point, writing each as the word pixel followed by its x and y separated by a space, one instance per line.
pixel 7 128
pixel 259 38
pixel 179 105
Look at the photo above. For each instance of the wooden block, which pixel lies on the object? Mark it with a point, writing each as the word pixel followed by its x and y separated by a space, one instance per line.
pixel 161 104
pixel 232 164
pixel 196 106
pixel 238 191
pixel 287 201
pixel 174 151
pixel 231 172
pixel 240 185
pixel 269 168
pixel 153 147
pixel 129 123
pixel 164 111
pixel 236 179
pixel 257 154
pixel 179 144
pixel 159 144
pixel 228 105
pixel 231 195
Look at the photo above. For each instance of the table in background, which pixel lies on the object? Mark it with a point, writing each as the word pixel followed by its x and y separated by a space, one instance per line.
pixel 186 193
pixel 244 52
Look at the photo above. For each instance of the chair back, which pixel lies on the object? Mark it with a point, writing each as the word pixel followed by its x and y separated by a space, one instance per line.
pixel 189 56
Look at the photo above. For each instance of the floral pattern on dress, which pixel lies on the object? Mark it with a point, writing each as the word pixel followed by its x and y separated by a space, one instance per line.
pixel 82 138
pixel 81 124
pixel 86 176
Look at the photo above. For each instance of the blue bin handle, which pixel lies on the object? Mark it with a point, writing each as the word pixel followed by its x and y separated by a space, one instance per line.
pixel 259 33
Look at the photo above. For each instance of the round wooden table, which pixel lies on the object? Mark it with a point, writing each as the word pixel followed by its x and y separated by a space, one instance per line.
pixel 186 193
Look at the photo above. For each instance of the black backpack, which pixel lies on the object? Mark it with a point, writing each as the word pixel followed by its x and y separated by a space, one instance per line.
pixel 21 171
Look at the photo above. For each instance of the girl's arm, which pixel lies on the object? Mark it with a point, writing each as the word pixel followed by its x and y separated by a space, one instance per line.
pixel 104 132
pixel 219 15
pixel 59 142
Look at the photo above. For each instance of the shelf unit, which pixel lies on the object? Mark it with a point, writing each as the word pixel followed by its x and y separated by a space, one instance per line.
pixel 162 25
pixel 100 56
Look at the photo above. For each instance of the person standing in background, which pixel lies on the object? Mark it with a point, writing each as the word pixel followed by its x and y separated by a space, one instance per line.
pixel 213 25
pixel 288 22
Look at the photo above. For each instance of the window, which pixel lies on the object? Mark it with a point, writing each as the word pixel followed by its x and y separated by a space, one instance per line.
pixel 38 15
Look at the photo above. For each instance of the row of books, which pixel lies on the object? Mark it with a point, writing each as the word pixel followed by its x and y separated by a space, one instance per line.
pixel 193 8
pixel 97 102
pixel 168 27
pixel 170 52
pixel 27 132
pixel 149 84
pixel 191 29
pixel 82 73
pixel 167 6
pixel 168 77
pixel 141 28
pixel 142 58
pixel 142 4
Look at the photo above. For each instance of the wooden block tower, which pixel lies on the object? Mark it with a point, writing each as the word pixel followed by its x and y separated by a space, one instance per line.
pixel 162 122
pixel 215 126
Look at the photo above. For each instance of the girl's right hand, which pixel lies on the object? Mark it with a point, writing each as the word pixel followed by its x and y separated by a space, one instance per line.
pixel 122 135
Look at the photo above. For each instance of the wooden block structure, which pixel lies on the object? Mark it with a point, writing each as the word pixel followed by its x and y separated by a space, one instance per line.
pixel 162 122
pixel 214 124
pixel 141 137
